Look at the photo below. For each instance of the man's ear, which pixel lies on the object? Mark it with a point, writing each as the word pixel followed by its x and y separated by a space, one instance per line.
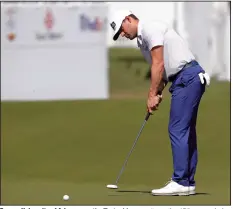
pixel 128 18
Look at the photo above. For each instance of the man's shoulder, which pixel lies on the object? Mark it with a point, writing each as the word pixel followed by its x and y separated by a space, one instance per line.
pixel 150 25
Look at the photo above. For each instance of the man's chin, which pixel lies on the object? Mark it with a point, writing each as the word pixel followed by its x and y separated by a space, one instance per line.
pixel 131 38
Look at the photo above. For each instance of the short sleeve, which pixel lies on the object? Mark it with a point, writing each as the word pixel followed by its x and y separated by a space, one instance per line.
pixel 153 34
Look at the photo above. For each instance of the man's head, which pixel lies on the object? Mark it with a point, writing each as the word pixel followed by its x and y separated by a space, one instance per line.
pixel 124 23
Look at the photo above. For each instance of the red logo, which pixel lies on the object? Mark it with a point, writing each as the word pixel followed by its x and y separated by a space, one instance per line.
pixel 10 23
pixel 49 20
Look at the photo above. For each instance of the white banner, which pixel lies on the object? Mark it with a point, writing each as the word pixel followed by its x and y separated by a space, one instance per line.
pixel 53 24
pixel 54 52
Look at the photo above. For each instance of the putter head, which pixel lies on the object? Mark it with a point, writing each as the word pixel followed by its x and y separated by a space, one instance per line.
pixel 112 186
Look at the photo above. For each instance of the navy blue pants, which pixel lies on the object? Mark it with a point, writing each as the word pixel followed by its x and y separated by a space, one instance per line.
pixel 187 91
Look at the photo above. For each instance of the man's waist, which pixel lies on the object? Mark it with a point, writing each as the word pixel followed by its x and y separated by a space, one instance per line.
pixel 171 78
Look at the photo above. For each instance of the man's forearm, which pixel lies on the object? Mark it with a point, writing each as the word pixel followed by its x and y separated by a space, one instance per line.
pixel 156 79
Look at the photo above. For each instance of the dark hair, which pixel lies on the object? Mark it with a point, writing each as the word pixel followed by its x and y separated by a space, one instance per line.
pixel 133 16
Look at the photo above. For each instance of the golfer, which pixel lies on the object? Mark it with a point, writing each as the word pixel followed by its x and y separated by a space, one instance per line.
pixel 171 61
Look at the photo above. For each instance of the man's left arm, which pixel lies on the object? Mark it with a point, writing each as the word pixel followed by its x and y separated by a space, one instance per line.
pixel 154 37
pixel 157 70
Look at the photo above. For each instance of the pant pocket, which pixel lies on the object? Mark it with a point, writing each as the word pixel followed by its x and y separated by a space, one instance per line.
pixel 190 75
pixel 186 79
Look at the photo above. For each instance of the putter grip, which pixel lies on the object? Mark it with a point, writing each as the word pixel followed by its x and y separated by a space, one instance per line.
pixel 147 116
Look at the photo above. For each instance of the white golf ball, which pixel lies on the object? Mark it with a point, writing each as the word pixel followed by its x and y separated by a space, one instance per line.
pixel 66 197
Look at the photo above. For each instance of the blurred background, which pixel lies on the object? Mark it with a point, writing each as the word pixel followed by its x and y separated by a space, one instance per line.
pixel 80 98
pixel 70 43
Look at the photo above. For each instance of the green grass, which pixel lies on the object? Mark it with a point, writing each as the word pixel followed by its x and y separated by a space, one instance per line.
pixel 127 73
pixel 78 147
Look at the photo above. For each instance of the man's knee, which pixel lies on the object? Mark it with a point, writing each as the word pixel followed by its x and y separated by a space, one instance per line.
pixel 178 131
pixel 174 132
pixel 170 130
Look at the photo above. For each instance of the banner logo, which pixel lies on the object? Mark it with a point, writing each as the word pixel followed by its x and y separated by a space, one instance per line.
pixel 49 22
pixel 10 23
pixel 92 24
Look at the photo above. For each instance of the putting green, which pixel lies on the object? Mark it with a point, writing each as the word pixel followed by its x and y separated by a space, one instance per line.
pixel 77 148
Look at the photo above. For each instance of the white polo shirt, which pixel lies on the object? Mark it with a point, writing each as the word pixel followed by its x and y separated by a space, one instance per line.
pixel 176 51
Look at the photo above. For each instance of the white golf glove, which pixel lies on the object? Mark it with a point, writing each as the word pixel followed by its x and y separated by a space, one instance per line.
pixel 204 77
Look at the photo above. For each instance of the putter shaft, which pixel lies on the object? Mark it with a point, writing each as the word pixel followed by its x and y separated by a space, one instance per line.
pixel 127 158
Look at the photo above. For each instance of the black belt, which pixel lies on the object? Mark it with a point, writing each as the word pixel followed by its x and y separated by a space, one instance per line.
pixel 187 65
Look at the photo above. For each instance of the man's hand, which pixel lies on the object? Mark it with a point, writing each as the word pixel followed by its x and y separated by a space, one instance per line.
pixel 153 102
pixel 152 99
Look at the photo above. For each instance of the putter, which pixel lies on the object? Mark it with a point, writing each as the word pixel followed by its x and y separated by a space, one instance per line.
pixel 114 186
